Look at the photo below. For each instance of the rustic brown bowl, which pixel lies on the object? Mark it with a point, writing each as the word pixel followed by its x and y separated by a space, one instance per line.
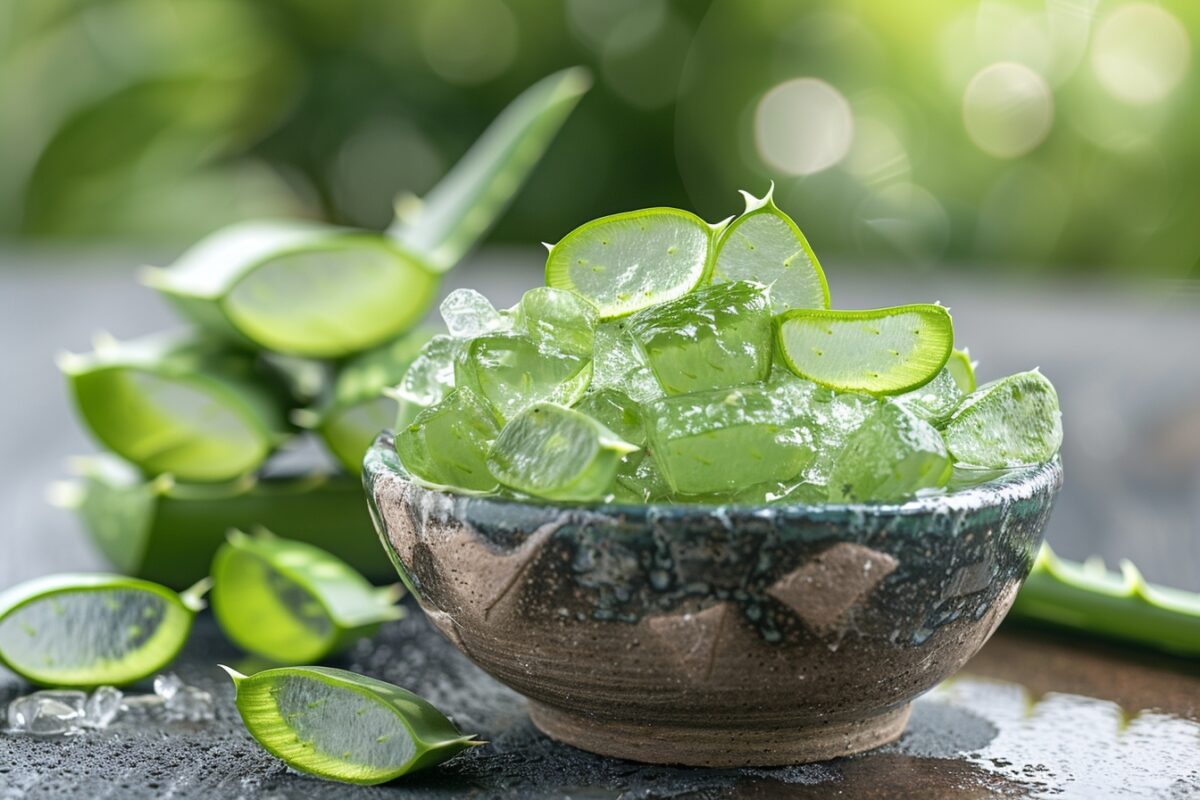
pixel 715 635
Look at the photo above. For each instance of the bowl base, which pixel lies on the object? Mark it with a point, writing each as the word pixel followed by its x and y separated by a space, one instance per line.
pixel 720 746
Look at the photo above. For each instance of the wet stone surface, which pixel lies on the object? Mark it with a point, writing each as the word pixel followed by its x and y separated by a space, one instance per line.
pixel 1031 716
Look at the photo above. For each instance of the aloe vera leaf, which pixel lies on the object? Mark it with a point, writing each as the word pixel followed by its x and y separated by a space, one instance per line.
pixel 462 207
pixel 764 245
pixel 89 629
pixel 299 288
pixel 168 532
pixel 343 726
pixel 1116 605
pixel 178 403
pixel 290 602
pixel 356 406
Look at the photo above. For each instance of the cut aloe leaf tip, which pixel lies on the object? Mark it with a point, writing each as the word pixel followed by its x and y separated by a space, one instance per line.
pixel 342 726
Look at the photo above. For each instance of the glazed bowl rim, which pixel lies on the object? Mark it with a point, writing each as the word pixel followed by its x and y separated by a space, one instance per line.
pixel 1012 484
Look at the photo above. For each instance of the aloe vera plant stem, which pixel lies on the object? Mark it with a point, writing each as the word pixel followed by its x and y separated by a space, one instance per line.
pixel 1118 605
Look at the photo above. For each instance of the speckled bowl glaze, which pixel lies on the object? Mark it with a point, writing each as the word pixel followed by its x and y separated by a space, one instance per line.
pixel 715 635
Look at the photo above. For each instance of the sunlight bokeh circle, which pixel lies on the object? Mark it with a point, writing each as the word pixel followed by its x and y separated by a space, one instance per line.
pixel 803 126
pixel 1007 109
pixel 1140 53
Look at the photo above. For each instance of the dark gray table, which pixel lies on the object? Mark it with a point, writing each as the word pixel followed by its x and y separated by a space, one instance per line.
pixel 1033 715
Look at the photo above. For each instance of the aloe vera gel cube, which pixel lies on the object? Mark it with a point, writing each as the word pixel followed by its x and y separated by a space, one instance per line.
pixel 708 339
pixel 558 319
pixel 447 444
pixel 891 456
pixel 619 364
pixel 510 371
pixel 719 440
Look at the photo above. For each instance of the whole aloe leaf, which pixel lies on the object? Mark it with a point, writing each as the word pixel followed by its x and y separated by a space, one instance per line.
pixel 1117 605
pixel 461 208
pixel 179 403
pixel 167 532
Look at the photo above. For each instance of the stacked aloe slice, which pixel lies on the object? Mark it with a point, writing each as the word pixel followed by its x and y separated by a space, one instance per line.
pixel 294 327
pixel 670 360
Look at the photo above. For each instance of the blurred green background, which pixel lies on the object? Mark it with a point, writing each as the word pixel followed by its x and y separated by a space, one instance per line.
pixel 1049 135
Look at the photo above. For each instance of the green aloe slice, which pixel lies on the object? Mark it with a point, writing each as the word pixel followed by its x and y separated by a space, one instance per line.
pixel 881 351
pixel 511 371
pixel 357 405
pixel 717 441
pixel 299 288
pixel 178 404
pixel 626 262
pixel 1012 422
pixel 168 532
pixel 555 453
pixel 935 401
pixel 889 458
pixel 85 630
pixel 765 246
pixel 293 603
pixel 1122 605
pixel 342 726
pixel 446 446
pixel 962 368
pixel 461 208
pixel 711 338
pixel 557 319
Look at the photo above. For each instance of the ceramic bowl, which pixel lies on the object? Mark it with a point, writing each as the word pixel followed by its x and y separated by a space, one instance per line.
pixel 715 635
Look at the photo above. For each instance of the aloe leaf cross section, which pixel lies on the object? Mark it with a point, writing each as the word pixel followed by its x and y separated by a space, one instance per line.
pixel 342 726
pixel 881 351
pixel 85 630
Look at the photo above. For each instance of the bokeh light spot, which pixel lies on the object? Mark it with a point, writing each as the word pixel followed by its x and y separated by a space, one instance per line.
pixel 468 41
pixel 1140 53
pixel 1007 109
pixel 803 126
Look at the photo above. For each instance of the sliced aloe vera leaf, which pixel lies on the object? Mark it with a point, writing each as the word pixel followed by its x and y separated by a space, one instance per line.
pixel 765 246
pixel 936 401
pixel 556 453
pixel 714 337
pixel 290 602
pixel 85 630
pixel 446 445
pixel 724 439
pixel 626 262
pixel 178 403
pixel 557 319
pixel 882 351
pixel 465 203
pixel 357 406
pixel 168 532
pixel 962 368
pixel 1116 605
pixel 343 726
pixel 889 458
pixel 1012 422
pixel 299 288
pixel 511 371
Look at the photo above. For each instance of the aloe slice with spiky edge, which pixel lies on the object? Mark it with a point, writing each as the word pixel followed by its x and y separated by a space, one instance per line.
pixel 1123 606
pixel 962 368
pixel 293 603
pixel 626 262
pixel 178 403
pixel 168 532
pixel 1011 422
pixel 556 453
pixel 463 205
pixel 765 246
pixel 356 406
pixel 882 351
pixel 87 629
pixel 343 726
pixel 323 291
